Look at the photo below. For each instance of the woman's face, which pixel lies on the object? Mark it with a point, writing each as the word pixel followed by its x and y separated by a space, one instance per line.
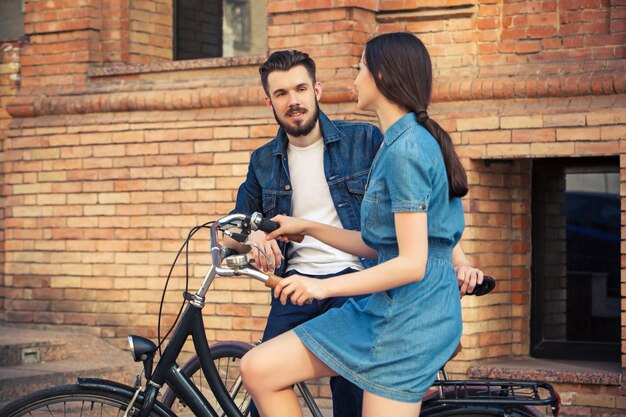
pixel 365 87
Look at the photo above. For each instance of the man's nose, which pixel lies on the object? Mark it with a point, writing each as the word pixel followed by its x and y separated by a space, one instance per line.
pixel 293 98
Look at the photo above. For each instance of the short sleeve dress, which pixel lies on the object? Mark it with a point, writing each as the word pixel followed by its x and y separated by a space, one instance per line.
pixel 392 343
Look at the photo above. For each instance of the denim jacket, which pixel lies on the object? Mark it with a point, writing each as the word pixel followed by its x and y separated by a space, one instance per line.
pixel 349 149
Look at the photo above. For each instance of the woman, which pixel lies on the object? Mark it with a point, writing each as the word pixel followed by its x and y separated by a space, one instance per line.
pixel 393 342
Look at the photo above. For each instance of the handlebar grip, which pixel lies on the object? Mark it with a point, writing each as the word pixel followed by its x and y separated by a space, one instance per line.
pixel 266 225
pixel 295 238
pixel 269 226
pixel 273 280
pixel 485 287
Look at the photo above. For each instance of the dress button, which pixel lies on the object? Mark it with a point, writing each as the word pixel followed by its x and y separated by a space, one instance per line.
pixel 287 187
pixel 422 206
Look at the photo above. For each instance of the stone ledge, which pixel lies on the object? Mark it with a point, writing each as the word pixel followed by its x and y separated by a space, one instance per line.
pixel 189 95
pixel 169 66
pixel 560 371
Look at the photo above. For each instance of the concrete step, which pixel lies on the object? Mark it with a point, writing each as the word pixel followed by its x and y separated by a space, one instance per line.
pixel 35 359
pixel 27 346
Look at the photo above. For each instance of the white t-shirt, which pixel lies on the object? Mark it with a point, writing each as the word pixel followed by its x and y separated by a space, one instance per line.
pixel 311 200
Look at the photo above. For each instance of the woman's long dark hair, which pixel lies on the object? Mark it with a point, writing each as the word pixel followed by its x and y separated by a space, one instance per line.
pixel 400 65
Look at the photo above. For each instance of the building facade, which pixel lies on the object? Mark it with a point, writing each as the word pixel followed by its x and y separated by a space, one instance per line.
pixel 124 123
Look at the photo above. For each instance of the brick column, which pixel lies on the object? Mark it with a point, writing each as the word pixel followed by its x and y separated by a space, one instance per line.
pixel 333 36
pixel 64 40
pixel 115 31
pixel 150 31
pixel 9 82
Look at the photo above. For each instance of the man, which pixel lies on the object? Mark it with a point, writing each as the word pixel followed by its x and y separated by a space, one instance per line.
pixel 317 169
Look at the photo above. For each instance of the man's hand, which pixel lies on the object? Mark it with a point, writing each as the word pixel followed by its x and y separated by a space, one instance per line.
pixel 271 249
pixel 468 277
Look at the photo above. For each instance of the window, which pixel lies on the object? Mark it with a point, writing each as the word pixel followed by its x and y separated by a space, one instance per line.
pixel 576 259
pixel 11 19
pixel 219 28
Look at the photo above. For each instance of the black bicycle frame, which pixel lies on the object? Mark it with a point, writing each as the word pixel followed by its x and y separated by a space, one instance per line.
pixel 167 371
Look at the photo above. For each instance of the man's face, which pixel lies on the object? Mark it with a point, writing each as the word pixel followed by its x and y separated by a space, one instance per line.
pixel 294 100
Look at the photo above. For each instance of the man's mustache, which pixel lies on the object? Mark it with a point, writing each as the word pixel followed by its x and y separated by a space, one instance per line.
pixel 296 109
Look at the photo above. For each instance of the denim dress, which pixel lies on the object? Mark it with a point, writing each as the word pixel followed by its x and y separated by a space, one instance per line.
pixel 392 343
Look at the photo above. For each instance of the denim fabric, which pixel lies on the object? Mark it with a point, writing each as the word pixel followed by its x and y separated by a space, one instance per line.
pixel 349 148
pixel 392 343
pixel 409 175
pixel 347 397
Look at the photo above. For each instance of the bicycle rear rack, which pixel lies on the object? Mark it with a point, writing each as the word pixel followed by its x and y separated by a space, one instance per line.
pixel 493 393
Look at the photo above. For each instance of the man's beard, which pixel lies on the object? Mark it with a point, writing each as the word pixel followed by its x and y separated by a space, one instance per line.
pixel 301 129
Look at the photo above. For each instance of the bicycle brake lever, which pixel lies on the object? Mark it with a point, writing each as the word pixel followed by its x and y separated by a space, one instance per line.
pixel 239 237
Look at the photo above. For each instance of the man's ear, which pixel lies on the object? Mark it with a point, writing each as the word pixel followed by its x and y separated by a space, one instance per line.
pixel 318 91
pixel 268 102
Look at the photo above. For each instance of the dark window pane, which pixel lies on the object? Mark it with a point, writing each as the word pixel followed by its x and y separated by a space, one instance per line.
pixel 216 28
pixel 198 28
pixel 11 19
pixel 576 259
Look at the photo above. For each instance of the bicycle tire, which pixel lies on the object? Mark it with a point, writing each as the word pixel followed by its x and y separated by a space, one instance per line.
pixel 75 401
pixel 226 356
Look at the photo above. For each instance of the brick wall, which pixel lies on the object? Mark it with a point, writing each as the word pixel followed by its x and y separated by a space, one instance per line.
pixel 105 167
pixel 150 30
pixel 63 40
pixel 115 37
pixel 9 82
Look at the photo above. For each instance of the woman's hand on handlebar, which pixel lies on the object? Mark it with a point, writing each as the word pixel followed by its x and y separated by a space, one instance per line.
pixel 299 289
pixel 288 226
pixel 271 249
pixel 468 277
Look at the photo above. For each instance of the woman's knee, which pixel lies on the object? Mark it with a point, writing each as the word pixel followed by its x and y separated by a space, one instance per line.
pixel 248 368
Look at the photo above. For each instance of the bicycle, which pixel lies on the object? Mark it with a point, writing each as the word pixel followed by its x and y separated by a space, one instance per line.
pixel 227 354
pixel 93 395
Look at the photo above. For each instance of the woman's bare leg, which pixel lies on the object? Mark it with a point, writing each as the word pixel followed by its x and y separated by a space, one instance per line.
pixel 377 406
pixel 271 369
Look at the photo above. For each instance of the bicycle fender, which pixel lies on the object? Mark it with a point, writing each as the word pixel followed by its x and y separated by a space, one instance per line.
pixel 126 391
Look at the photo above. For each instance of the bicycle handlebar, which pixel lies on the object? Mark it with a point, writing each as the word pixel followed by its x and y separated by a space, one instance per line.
pixel 241 266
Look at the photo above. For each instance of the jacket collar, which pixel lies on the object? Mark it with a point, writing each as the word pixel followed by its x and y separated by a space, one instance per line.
pixel 399 127
pixel 330 133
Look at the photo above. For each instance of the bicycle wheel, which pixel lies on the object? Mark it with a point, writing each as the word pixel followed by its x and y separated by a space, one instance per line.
pixel 226 356
pixel 75 401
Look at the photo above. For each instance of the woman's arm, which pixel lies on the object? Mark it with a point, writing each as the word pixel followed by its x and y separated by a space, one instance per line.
pixel 349 241
pixel 409 266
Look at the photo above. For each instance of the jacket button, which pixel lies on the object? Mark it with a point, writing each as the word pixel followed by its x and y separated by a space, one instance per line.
pixel 287 187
